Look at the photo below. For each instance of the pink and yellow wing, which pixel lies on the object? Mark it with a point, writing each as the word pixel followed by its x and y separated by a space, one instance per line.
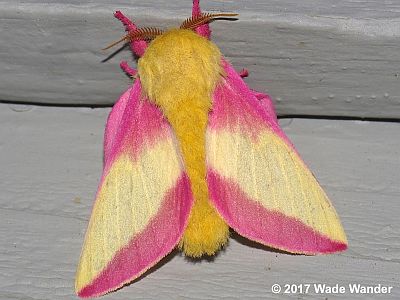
pixel 258 182
pixel 143 201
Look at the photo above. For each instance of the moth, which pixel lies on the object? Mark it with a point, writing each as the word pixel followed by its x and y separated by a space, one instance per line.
pixel 189 152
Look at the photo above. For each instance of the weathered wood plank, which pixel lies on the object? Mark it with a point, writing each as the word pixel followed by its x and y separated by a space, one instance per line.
pixel 314 58
pixel 51 161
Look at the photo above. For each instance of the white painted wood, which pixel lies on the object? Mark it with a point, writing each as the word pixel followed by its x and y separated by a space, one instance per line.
pixel 318 57
pixel 51 160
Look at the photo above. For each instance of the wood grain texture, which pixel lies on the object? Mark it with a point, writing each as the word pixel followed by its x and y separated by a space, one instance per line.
pixel 51 161
pixel 320 57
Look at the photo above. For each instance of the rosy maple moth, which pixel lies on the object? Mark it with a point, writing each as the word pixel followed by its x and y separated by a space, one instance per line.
pixel 189 151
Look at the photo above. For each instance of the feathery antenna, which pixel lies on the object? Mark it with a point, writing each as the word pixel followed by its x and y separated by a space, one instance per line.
pixel 145 33
pixel 149 33
pixel 193 22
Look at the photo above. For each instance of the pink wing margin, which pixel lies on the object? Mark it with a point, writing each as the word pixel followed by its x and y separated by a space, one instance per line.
pixel 133 126
pixel 234 104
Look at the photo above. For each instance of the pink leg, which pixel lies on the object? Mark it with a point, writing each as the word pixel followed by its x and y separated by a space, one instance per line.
pixel 138 47
pixel 244 73
pixel 129 26
pixel 127 69
pixel 203 30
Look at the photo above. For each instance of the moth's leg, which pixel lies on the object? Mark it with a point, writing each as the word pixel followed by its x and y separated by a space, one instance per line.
pixel 203 30
pixel 244 73
pixel 138 47
pixel 129 25
pixel 127 69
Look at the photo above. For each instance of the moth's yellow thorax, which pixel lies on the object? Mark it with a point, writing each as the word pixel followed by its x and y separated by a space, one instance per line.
pixel 178 64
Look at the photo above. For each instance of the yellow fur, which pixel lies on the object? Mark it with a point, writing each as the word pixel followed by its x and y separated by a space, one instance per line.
pixel 179 72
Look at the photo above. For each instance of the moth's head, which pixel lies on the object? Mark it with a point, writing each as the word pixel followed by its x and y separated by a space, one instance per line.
pixel 179 61
pixel 150 33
